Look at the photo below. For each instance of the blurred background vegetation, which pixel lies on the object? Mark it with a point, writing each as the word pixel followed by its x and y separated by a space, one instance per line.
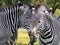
pixel 55 4
pixel 23 37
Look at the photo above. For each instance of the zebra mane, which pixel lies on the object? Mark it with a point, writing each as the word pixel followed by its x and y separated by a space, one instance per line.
pixel 39 5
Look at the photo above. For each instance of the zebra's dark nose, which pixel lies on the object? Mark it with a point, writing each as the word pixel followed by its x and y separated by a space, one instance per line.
pixel 32 33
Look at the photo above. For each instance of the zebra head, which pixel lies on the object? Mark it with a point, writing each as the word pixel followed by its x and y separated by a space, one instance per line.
pixel 44 12
pixel 43 7
pixel 42 17
pixel 46 26
pixel 24 10
pixel 29 18
pixel 45 21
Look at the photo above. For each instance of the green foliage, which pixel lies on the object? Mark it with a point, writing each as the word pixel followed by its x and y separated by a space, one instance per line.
pixel 5 3
pixel 51 3
pixel 25 0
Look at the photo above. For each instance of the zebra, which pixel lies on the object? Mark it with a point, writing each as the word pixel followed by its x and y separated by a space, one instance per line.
pixel 28 24
pixel 8 23
pixel 15 16
pixel 48 28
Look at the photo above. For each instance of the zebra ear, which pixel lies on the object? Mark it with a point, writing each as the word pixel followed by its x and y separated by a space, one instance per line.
pixel 50 11
pixel 33 10
pixel 21 5
pixel 22 8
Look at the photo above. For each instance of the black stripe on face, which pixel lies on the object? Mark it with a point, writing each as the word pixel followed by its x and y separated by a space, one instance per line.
pixel 46 29
pixel 44 37
pixel 48 33
pixel 47 42
pixel 27 26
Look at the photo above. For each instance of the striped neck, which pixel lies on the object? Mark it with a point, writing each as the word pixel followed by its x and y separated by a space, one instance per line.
pixel 12 15
pixel 47 36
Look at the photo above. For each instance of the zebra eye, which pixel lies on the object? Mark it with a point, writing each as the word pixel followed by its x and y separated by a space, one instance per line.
pixel 27 17
pixel 39 21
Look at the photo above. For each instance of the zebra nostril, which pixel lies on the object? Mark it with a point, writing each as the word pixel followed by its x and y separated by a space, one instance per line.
pixel 32 33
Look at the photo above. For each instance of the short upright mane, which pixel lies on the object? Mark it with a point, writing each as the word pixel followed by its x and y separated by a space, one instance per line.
pixel 39 5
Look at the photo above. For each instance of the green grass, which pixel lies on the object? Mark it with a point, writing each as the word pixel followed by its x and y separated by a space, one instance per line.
pixel 23 38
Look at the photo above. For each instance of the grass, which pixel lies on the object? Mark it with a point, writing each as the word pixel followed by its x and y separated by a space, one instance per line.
pixel 23 38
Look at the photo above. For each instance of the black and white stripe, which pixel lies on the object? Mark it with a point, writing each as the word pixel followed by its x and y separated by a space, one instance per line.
pixel 11 16
pixel 47 36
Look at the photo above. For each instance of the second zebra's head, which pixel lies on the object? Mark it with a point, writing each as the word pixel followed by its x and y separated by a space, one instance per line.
pixel 43 19
pixel 24 11
pixel 29 19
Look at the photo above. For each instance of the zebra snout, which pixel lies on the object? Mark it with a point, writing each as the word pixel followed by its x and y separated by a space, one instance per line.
pixel 32 33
